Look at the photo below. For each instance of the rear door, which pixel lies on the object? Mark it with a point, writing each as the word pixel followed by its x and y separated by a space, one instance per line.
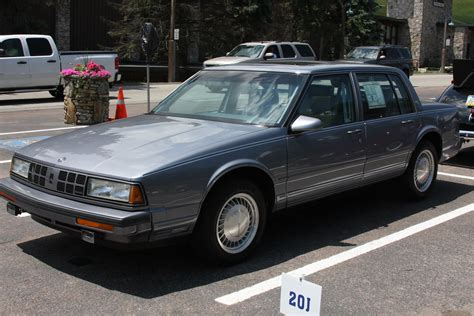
pixel 391 123
pixel 44 63
pixel 15 69
pixel 332 158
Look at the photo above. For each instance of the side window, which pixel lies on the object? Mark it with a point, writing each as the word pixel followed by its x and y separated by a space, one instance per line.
pixel 377 96
pixel 12 48
pixel 39 47
pixel 304 50
pixel 330 99
pixel 405 53
pixel 288 51
pixel 274 50
pixel 402 95
pixel 392 53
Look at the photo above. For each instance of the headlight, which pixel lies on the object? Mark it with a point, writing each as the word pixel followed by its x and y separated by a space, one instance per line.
pixel 20 167
pixel 117 191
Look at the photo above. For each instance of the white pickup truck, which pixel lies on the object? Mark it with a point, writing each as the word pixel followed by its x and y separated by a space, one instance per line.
pixel 33 62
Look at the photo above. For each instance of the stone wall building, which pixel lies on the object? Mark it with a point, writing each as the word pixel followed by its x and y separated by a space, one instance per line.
pixel 419 25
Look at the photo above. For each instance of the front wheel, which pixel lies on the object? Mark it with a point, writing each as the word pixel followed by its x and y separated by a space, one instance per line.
pixel 422 170
pixel 231 222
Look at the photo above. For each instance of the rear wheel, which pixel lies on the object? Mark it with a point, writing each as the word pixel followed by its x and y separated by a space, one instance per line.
pixel 420 175
pixel 58 93
pixel 231 222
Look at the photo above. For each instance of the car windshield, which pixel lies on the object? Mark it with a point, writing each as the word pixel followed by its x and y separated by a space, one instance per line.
pixel 456 96
pixel 252 51
pixel 363 53
pixel 259 98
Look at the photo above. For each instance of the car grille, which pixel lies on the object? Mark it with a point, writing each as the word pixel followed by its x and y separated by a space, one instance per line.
pixel 57 180
pixel 466 127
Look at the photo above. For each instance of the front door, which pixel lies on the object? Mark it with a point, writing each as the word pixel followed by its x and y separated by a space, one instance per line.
pixel 332 158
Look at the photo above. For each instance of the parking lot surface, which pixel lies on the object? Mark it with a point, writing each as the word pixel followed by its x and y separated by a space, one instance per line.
pixel 420 257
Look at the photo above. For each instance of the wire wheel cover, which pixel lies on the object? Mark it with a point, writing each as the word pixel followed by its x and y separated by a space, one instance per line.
pixel 424 170
pixel 237 223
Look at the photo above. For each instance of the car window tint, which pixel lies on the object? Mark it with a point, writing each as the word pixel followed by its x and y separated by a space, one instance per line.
pixel 405 53
pixel 330 99
pixel 12 47
pixel 39 47
pixel 392 53
pixel 402 95
pixel 274 50
pixel 288 51
pixel 377 96
pixel 304 50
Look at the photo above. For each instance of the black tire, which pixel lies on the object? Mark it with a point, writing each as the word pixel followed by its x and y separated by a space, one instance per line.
pixel 58 93
pixel 425 155
pixel 218 248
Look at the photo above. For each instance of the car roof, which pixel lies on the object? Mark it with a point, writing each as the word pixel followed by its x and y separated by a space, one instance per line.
pixel 301 67
pixel 382 46
pixel 272 42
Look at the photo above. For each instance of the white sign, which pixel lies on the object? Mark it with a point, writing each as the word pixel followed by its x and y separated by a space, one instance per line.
pixel 176 34
pixel 448 41
pixel 470 100
pixel 299 297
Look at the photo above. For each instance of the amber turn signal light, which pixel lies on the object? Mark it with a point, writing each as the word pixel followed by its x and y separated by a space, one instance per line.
pixel 136 196
pixel 85 222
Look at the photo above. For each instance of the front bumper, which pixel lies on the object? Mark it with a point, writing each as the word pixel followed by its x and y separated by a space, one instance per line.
pixel 60 213
pixel 466 134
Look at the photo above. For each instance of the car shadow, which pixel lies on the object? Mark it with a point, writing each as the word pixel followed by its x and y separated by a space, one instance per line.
pixel 464 159
pixel 156 272
pixel 46 99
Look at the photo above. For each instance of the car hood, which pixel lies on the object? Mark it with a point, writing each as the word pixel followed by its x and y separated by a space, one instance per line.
pixel 227 60
pixel 132 147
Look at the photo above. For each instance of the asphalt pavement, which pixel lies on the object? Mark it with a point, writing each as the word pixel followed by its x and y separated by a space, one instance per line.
pixel 400 257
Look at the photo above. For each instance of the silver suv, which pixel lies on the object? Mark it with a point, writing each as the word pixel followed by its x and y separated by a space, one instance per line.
pixel 258 51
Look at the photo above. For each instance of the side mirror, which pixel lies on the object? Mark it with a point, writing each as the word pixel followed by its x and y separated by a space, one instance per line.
pixel 227 54
pixel 2 52
pixel 382 57
pixel 268 56
pixel 305 123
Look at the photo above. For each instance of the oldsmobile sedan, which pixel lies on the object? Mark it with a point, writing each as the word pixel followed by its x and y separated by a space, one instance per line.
pixel 227 148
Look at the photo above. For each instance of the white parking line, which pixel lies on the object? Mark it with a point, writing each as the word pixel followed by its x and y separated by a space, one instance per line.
pixel 5 161
pixel 42 130
pixel 314 267
pixel 455 175
pixel 24 214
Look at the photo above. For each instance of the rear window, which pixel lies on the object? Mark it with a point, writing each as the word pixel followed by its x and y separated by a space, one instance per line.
pixel 405 53
pixel 288 51
pixel 304 50
pixel 392 53
pixel 39 47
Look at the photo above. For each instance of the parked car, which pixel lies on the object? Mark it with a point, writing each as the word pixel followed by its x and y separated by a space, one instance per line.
pixel 213 165
pixel 461 94
pixel 258 51
pixel 386 55
pixel 32 62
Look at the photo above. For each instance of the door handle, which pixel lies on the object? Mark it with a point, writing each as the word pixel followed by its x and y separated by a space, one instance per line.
pixel 407 122
pixel 51 61
pixel 354 131
pixel 21 62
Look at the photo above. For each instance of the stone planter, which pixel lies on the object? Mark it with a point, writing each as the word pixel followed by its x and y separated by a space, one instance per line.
pixel 86 102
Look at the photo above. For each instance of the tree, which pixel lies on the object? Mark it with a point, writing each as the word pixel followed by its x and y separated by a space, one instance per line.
pixel 361 24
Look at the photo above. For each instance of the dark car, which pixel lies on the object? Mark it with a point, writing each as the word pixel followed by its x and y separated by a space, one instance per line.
pixel 386 55
pixel 461 94
pixel 213 164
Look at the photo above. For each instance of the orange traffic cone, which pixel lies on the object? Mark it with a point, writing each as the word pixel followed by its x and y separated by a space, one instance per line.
pixel 121 111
